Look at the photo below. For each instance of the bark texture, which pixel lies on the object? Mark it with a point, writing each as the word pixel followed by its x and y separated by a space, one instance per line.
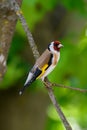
pixel 8 21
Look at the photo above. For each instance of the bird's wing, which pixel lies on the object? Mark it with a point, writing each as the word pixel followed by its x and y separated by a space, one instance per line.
pixel 43 59
pixel 42 63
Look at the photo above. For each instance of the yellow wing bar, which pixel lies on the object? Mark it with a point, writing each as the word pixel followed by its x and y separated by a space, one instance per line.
pixel 43 70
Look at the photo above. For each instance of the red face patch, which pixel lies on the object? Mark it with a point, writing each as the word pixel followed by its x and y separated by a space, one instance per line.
pixel 56 43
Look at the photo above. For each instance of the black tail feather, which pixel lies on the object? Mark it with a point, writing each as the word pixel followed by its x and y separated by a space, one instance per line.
pixel 35 75
pixel 23 89
pixel 26 85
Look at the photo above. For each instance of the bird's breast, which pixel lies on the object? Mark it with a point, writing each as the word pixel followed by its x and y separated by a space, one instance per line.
pixel 56 57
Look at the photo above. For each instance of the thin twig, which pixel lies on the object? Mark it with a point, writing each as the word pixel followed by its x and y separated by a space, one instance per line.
pixel 36 55
pixel 64 86
pixel 50 84
pixel 69 87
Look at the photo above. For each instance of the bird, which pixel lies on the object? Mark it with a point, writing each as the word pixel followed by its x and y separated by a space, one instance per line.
pixel 44 65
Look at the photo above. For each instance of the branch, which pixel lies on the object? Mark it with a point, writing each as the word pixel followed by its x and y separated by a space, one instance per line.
pixel 69 87
pixel 58 109
pixel 56 104
pixel 36 55
pixel 8 21
pixel 26 29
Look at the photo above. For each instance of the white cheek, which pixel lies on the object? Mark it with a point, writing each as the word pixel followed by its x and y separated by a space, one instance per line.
pixel 51 47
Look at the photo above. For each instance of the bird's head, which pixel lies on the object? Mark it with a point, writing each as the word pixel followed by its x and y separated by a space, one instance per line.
pixel 55 46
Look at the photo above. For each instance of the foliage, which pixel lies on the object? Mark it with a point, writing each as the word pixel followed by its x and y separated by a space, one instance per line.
pixel 71 69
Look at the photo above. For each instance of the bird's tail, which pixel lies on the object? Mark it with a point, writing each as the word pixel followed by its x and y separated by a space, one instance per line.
pixel 26 85
pixel 30 79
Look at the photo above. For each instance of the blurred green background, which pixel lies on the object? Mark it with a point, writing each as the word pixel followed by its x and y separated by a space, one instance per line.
pixel 64 20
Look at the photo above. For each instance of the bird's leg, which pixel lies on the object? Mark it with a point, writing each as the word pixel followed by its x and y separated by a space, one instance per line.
pixel 47 83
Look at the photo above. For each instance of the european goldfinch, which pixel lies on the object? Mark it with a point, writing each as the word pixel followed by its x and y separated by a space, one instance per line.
pixel 44 64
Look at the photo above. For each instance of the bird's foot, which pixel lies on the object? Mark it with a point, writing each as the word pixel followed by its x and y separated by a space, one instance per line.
pixel 47 83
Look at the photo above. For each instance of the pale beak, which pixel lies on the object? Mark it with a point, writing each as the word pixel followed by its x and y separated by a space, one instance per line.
pixel 60 46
